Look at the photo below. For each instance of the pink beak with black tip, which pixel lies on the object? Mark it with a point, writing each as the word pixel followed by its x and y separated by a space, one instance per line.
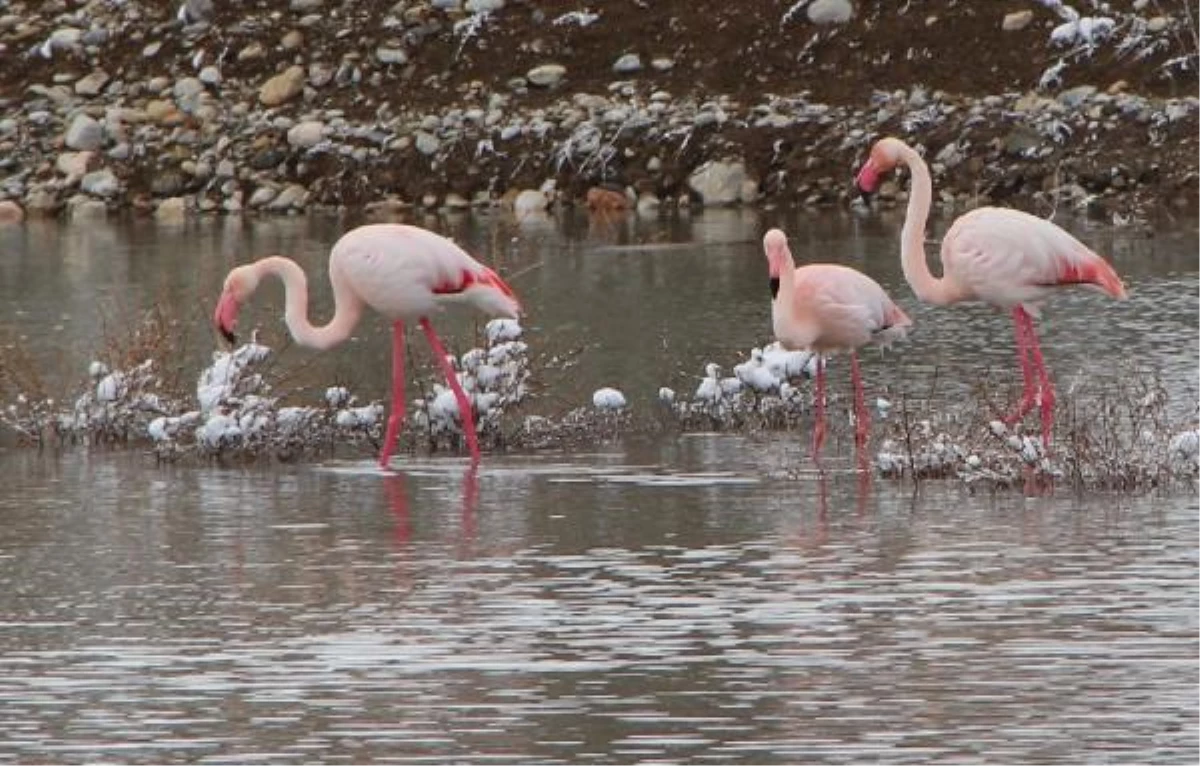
pixel 225 316
pixel 868 180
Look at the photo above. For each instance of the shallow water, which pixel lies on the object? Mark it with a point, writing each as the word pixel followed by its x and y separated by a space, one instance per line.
pixel 701 598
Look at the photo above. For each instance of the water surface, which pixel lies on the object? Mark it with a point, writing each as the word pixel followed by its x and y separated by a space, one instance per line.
pixel 703 598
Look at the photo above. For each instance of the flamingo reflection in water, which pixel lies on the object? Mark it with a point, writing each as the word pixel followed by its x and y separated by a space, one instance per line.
pixel 396 491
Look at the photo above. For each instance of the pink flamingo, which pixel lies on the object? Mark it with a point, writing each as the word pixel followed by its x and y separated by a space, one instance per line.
pixel 823 308
pixel 405 273
pixel 1004 257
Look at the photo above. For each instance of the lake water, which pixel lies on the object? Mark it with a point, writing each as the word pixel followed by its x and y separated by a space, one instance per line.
pixel 662 598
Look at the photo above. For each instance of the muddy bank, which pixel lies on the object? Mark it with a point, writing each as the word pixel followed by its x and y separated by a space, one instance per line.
pixel 206 106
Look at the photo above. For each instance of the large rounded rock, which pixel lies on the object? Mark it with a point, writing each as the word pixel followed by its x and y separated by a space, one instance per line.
pixel 546 75
pixel 84 134
pixel 282 87
pixel 719 183
pixel 830 11
pixel 307 134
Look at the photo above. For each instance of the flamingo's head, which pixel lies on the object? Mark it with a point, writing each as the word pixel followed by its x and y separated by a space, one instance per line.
pixel 239 286
pixel 778 257
pixel 884 156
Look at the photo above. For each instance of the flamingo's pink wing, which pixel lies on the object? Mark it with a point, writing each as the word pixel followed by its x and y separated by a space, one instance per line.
pixel 1007 257
pixel 849 304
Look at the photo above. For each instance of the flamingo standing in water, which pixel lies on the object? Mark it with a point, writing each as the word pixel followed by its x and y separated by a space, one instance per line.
pixel 405 273
pixel 823 308
pixel 1010 259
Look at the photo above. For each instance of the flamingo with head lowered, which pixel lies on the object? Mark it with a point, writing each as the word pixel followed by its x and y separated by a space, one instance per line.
pixel 1010 259
pixel 403 272
pixel 824 308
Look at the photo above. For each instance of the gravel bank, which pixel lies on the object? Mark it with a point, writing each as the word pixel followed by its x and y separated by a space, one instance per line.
pixel 280 106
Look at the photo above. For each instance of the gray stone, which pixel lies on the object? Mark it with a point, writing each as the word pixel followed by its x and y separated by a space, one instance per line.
pixel 210 75
pixel 546 75
pixel 305 6
pixel 60 40
pixel 628 64
pixel 1076 96
pixel 100 183
pixel 427 143
pixel 84 134
pixel 186 93
pixel 293 196
pixel 483 6
pixel 391 55
pixel 194 11
pixel 718 183
pixel 307 134
pixel 92 84
pixel 830 11
pixel 263 195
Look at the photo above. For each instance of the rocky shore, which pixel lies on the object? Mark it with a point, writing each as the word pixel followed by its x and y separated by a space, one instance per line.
pixel 279 106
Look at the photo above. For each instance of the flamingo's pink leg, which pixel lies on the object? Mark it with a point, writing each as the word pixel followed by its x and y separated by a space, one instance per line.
pixel 396 419
pixel 1047 387
pixel 862 420
pixel 464 404
pixel 1023 326
pixel 819 424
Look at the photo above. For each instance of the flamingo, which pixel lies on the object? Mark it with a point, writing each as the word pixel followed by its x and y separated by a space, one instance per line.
pixel 824 308
pixel 1007 258
pixel 405 273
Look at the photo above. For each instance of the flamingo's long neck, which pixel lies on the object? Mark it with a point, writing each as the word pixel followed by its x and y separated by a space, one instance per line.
pixel 347 306
pixel 781 308
pixel 912 237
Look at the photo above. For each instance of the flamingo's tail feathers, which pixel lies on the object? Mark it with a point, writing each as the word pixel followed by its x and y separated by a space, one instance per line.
pixel 1096 273
pixel 1105 278
pixel 494 295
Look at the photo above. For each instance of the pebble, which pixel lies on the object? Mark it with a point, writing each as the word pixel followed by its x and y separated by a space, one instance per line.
pixel 84 133
pixel 628 64
pixel 546 75
pixel 282 87
pixel 307 134
pixel 1017 20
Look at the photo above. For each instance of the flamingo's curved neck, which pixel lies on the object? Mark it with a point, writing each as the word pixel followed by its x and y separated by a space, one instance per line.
pixel 787 273
pixel 781 306
pixel 912 237
pixel 347 306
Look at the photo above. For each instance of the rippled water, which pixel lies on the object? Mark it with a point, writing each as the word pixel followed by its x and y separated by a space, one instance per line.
pixel 688 598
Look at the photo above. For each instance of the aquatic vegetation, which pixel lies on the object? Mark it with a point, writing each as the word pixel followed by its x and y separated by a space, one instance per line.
pixel 1111 432
pixel 763 392
pixel 235 410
